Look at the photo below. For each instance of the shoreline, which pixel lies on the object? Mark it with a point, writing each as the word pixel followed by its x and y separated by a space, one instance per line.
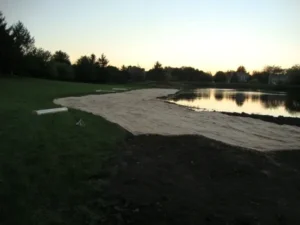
pixel 140 112
pixel 280 120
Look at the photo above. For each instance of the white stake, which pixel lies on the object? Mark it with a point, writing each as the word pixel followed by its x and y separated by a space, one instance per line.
pixel 48 111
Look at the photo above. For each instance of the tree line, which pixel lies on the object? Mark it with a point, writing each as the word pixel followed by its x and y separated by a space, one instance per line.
pixel 19 56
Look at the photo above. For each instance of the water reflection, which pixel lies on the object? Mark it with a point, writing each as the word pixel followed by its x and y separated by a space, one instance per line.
pixel 272 101
pixel 265 103
pixel 292 104
pixel 219 95
pixel 240 98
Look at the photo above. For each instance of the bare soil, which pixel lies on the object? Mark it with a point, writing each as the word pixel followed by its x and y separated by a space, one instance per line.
pixel 195 180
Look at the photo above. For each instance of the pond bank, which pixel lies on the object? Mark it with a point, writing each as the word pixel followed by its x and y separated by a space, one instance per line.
pixel 140 112
pixel 281 120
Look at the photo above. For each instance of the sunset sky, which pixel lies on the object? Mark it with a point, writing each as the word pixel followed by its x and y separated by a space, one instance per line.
pixel 210 35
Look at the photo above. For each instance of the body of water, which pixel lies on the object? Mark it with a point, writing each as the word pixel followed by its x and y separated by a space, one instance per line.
pixel 251 102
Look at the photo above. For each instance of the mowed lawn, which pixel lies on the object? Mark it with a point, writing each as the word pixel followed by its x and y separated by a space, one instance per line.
pixel 47 163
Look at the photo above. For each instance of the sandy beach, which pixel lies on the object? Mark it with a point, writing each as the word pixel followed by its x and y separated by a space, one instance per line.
pixel 141 112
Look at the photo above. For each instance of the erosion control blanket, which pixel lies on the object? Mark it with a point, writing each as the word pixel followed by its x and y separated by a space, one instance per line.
pixel 140 112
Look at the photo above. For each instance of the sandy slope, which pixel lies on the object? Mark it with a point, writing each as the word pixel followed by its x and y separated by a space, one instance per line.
pixel 140 112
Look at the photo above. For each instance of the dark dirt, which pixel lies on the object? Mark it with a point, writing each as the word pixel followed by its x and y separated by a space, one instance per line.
pixel 194 180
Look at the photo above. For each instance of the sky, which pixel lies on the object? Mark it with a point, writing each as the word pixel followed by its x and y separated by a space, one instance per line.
pixel 210 35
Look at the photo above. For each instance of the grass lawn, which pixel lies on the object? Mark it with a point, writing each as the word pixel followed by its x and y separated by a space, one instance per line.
pixel 47 162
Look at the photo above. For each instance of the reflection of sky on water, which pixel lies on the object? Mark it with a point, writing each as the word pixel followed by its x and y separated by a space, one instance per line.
pixel 252 102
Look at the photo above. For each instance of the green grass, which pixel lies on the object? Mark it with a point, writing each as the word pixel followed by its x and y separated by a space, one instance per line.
pixel 52 171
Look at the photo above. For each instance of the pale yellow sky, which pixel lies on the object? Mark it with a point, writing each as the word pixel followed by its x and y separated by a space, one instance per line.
pixel 208 35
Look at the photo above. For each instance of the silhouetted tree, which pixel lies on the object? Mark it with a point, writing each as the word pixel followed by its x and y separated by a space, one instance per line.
pixel 261 77
pixel 294 74
pixel 124 68
pixel 22 38
pixel 157 66
pixel 92 59
pixel 88 69
pixel 64 71
pixel 136 73
pixel 103 61
pixel 117 76
pixel 275 74
pixel 157 73
pixel 220 77
pixel 190 74
pixel 23 44
pixel 168 73
pixel 42 54
pixel 234 78
pixel 7 48
pixel 200 76
pixel 241 69
pixel 85 69
pixel 35 62
pixel 62 57
pixel 273 70
pixel 176 73
pixel 125 73
pixel 19 55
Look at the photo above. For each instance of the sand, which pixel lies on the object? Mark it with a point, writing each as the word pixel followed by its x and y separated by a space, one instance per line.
pixel 140 112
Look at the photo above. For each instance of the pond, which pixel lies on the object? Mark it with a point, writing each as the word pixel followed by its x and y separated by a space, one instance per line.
pixel 239 101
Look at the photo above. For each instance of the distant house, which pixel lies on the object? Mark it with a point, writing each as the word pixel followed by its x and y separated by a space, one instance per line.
pixel 240 77
pixel 278 79
pixel 229 75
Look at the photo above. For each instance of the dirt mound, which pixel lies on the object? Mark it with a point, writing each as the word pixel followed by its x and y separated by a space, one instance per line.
pixel 194 180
